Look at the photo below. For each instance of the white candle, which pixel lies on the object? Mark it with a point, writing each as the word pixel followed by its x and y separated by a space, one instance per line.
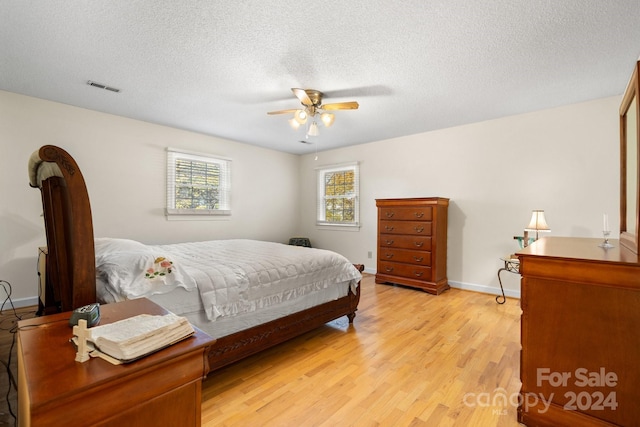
pixel 605 223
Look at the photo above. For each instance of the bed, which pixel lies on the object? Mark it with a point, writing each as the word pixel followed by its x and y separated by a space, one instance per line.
pixel 249 295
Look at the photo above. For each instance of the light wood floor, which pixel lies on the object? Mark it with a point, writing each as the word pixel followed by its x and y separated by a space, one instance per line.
pixel 410 359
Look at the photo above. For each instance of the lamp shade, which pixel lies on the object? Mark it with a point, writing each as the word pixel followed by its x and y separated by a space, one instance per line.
pixel 300 116
pixel 294 123
pixel 313 129
pixel 538 222
pixel 327 119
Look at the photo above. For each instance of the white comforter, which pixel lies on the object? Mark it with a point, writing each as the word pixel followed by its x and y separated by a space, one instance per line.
pixel 232 276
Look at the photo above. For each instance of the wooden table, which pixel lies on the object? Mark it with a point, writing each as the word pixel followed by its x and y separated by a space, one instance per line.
pixel 162 389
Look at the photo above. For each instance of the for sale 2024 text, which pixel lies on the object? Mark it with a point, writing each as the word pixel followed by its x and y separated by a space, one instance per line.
pixel 582 377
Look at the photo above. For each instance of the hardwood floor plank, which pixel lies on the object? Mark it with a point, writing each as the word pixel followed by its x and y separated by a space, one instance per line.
pixel 410 359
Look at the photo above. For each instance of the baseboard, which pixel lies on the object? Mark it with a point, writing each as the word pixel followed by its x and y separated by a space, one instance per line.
pixel 21 302
pixel 484 289
pixel 471 287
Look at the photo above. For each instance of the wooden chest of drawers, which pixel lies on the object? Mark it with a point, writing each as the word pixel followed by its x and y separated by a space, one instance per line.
pixel 412 243
pixel 579 334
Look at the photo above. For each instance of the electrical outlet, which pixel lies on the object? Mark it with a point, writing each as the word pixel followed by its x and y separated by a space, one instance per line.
pixel 369 254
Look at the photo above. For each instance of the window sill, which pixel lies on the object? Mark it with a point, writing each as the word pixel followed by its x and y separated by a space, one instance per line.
pixel 198 218
pixel 195 215
pixel 338 227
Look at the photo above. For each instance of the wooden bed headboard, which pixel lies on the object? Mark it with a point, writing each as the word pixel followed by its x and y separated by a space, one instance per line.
pixel 70 267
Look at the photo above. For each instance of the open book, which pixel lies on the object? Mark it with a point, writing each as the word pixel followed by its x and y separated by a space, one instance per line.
pixel 129 339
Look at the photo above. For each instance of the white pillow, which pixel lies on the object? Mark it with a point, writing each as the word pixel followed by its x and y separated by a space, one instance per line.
pixel 106 245
pixel 130 269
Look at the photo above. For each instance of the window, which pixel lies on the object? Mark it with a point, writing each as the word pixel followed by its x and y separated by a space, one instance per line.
pixel 197 184
pixel 338 192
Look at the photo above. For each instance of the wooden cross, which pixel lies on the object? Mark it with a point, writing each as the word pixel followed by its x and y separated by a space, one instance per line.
pixel 81 331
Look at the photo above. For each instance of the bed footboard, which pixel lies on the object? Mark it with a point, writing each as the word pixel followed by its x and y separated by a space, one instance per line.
pixel 234 347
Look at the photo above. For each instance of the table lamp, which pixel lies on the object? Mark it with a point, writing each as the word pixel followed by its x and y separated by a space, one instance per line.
pixel 537 223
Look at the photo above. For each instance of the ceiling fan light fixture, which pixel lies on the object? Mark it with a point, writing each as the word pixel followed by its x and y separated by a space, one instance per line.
pixel 312 111
pixel 327 119
pixel 300 116
pixel 313 129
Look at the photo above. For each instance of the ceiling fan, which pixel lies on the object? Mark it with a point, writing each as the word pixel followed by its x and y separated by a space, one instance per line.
pixel 311 101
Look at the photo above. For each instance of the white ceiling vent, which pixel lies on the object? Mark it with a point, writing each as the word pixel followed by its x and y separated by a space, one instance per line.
pixel 101 86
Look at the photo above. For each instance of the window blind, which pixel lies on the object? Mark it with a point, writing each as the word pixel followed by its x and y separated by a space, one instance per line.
pixel 197 184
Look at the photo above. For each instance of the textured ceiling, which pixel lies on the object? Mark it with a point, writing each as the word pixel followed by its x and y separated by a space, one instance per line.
pixel 413 66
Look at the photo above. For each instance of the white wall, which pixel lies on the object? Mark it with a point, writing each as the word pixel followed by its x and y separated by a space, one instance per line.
pixel 124 165
pixel 563 160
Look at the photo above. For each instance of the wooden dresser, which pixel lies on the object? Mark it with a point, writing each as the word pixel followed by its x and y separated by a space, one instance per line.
pixel 162 389
pixel 580 334
pixel 412 243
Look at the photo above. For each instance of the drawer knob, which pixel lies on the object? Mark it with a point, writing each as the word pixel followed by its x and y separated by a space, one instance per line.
pixel 388 227
pixel 388 256
pixel 418 258
pixel 419 214
pixel 418 273
pixel 389 214
pixel 388 269
pixel 389 242
pixel 419 229
pixel 419 244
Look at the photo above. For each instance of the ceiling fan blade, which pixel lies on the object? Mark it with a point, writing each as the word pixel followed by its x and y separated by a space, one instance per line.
pixel 353 105
pixel 302 95
pixel 283 111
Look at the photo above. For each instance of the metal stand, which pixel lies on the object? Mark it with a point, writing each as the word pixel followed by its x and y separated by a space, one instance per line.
pixel 512 265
